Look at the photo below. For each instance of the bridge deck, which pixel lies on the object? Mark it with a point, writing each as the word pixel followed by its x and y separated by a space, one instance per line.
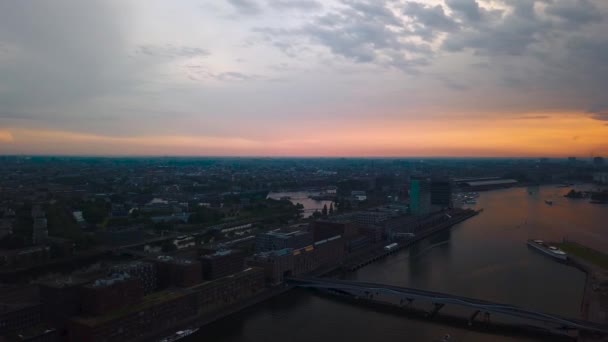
pixel 443 298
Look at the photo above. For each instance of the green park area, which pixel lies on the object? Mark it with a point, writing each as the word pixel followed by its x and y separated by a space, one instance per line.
pixel 585 253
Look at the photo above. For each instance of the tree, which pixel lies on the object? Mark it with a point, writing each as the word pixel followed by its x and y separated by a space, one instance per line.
pixel 331 209
pixel 324 211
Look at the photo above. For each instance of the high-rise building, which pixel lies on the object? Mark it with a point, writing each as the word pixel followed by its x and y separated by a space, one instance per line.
pixel 441 193
pixel 420 195
pixel 598 161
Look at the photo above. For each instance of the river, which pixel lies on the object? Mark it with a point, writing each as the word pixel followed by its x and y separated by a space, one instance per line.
pixel 485 257
pixel 302 197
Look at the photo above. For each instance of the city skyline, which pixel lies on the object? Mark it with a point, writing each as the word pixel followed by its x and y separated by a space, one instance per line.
pixel 439 78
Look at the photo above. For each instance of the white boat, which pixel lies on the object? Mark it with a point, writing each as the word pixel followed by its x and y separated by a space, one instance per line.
pixel 548 249
pixel 179 335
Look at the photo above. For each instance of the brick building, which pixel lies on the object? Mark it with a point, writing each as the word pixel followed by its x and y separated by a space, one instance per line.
pixel 216 294
pixel 323 230
pixel 276 240
pixel 144 271
pixel 222 263
pixel 156 313
pixel 112 293
pixel 178 272
pixel 276 264
pixel 16 317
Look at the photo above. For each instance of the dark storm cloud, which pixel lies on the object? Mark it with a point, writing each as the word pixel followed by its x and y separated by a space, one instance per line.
pixel 248 7
pixel 362 32
pixel 295 4
pixel 433 17
pixel 469 9
pixel 575 13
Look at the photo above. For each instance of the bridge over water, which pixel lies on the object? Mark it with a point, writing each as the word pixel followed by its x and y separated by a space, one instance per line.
pixel 404 297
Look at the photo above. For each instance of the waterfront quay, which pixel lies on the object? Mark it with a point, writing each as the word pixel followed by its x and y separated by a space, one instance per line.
pixel 379 252
pixel 594 305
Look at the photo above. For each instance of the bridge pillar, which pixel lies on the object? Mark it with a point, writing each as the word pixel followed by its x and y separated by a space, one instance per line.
pixel 435 310
pixel 472 318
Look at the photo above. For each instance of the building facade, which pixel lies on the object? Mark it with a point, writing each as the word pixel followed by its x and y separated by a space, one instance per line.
pixel 441 193
pixel 420 196
pixel 274 240
pixel 222 263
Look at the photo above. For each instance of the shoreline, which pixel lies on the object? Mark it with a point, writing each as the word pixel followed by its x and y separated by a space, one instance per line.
pixel 591 303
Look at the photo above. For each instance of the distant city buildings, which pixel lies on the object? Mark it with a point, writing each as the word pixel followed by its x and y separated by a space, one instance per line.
pixel 598 161
pixel 40 231
pixel 600 177
pixel 420 195
pixel 441 193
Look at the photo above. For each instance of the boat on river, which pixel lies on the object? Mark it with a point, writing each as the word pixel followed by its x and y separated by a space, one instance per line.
pixel 547 249
pixel 179 335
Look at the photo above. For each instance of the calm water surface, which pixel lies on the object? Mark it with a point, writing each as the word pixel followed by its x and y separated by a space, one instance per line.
pixel 485 257
pixel 310 205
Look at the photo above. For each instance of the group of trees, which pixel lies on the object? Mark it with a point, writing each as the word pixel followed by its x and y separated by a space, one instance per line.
pixel 325 211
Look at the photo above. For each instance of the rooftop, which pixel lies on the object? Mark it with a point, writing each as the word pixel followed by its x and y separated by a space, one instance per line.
pixel 148 302
pixel 492 182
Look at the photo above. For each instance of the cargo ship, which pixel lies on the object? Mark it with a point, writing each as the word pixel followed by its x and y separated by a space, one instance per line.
pixel 548 249
pixel 179 335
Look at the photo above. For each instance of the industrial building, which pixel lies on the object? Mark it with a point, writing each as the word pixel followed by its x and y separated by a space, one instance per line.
pixel 489 184
pixel 144 271
pixel 111 293
pixel 276 264
pixel 222 263
pixel 177 272
pixel 155 313
pixel 276 240
pixel 322 230
pixel 214 295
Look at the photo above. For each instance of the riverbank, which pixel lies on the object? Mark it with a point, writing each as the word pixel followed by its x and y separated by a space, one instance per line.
pixel 594 306
pixel 379 252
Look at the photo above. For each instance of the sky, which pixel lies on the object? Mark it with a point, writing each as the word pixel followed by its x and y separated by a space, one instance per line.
pixel 442 78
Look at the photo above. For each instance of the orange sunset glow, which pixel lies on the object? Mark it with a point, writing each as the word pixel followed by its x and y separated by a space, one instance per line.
pixel 556 135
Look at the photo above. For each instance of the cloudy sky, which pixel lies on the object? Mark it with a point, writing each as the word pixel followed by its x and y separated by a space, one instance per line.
pixel 304 77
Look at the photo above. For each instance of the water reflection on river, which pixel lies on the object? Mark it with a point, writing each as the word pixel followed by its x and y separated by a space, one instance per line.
pixel 302 197
pixel 485 257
